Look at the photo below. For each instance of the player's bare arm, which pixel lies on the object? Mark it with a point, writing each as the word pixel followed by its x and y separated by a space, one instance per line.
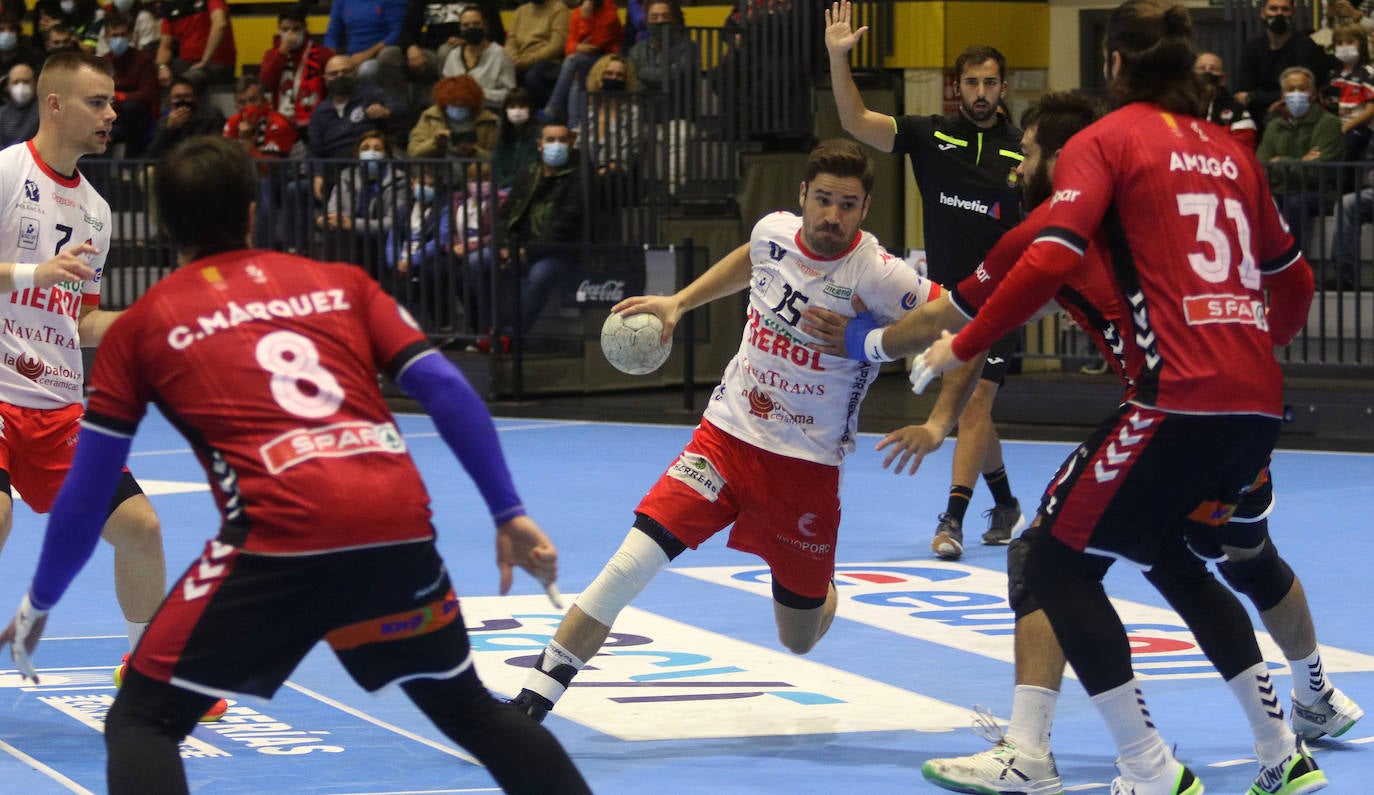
pixel 878 130
pixel 92 324
pixel 727 276
pixel 909 445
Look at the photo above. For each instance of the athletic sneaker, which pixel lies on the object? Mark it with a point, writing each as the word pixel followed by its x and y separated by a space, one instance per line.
pixel 1297 773
pixel 1003 523
pixel 948 542
pixel 1178 781
pixel 1000 770
pixel 532 704
pixel 1333 714
pixel 211 715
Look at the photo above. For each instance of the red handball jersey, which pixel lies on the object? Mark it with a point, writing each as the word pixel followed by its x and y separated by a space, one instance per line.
pixel 1183 217
pixel 267 363
pixel 1088 294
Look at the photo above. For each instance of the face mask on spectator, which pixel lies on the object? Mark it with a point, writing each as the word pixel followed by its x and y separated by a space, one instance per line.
pixel 67 6
pixel 424 194
pixel 183 103
pixel 370 157
pixel 1277 25
pixel 123 6
pixel 555 154
pixel 1211 79
pixel 659 29
pixel 8 40
pixel 1348 53
pixel 1298 103
pixel 457 113
pixel 342 87
pixel 612 84
pixel 21 93
pixel 517 115
pixel 119 45
pixel 472 36
pixel 293 40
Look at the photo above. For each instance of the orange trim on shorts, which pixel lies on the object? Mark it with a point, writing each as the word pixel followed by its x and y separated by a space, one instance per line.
pixel 1213 513
pixel 398 626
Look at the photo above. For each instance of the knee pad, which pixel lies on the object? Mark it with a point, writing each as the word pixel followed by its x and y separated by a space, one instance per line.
pixel 622 578
pixel 1265 579
pixel 1022 602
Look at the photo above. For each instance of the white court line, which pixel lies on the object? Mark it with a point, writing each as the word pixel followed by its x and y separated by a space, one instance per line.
pixel 71 786
pixel 422 791
pixel 342 707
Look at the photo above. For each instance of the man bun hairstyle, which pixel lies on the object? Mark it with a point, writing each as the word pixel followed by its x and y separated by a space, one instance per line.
pixel 1155 41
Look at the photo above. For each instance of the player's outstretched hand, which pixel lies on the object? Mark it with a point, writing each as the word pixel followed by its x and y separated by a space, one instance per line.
pixel 666 307
pixel 840 36
pixel 68 266
pixel 938 358
pixel 22 636
pixel 910 444
pixel 838 334
pixel 520 542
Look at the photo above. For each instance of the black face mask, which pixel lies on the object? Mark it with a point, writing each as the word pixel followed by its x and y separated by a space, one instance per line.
pixel 342 87
pixel 189 105
pixel 1277 25
pixel 472 36
pixel 612 84
pixel 1212 80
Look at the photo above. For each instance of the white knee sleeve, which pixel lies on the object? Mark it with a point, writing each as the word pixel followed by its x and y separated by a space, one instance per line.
pixel 623 577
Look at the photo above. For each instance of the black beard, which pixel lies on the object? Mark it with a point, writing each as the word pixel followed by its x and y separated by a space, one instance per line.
pixel 1037 188
pixel 975 115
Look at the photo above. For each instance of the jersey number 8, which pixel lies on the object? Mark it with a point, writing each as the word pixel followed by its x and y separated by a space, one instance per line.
pixel 294 362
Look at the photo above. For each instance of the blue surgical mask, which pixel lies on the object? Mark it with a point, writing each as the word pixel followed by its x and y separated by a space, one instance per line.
pixel 370 157
pixel 8 40
pixel 123 5
pixel 423 194
pixel 119 46
pixel 555 153
pixel 1298 102
pixel 457 113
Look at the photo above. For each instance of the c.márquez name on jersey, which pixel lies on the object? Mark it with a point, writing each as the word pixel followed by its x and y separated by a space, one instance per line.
pixel 313 303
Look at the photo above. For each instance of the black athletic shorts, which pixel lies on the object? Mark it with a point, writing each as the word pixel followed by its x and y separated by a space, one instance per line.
pixel 1146 475
pixel 237 623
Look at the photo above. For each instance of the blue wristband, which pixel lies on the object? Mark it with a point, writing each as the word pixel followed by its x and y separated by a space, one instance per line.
pixel 854 335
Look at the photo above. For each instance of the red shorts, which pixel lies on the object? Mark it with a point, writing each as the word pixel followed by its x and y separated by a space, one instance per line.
pixel 785 510
pixel 36 447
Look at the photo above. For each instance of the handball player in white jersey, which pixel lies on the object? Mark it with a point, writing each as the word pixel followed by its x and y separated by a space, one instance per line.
pixel 54 237
pixel 766 456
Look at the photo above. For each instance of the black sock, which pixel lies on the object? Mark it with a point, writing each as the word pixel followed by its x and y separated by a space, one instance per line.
pixel 999 486
pixel 959 497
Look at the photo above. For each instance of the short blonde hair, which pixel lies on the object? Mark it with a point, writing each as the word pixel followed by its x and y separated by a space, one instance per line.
pixel 599 68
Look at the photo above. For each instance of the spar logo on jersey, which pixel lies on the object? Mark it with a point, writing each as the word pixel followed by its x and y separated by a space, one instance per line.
pixel 339 440
pixel 1242 309
pixel 31 191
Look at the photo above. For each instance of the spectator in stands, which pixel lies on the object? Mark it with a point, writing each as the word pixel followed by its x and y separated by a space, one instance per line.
pixel 267 135
pixel 357 214
pixel 418 244
pixel 197 43
pixel 57 39
pixel 667 60
pixel 538 33
pixel 75 15
pixel 1263 59
pixel 429 32
pixel 481 58
pixel 636 28
pixel 1350 90
pixel 1334 14
pixel 1304 132
pixel 15 47
pixel 517 143
pixel 135 80
pixel 145 33
pixel 361 29
pixel 593 31
pixel 187 116
pixel 1355 208
pixel 292 71
pixel 537 227
pixel 457 124
pixel 19 113
pixel 354 106
pixel 614 141
pixel 1222 108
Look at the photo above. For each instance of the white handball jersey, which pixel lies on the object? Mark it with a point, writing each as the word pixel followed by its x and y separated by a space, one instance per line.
pixel 779 394
pixel 45 212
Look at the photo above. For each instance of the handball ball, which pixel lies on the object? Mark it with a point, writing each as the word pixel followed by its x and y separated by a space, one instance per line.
pixel 631 345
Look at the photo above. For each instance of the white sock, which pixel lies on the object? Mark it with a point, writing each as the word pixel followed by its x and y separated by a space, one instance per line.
pixel 1259 700
pixel 1317 686
pixel 1144 756
pixel 1032 718
pixel 135 629
pixel 541 680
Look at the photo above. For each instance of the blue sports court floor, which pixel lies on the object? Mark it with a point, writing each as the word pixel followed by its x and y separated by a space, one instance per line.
pixel 694 694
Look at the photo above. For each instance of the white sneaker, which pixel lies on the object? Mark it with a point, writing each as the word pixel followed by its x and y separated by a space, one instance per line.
pixel 1178 780
pixel 1333 714
pixel 1001 770
pixel 1295 774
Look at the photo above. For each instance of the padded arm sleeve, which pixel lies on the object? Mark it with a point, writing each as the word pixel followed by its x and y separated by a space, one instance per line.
pixel 1027 287
pixel 466 427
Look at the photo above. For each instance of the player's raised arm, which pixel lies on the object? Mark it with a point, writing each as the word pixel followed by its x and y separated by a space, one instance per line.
pixel 878 130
